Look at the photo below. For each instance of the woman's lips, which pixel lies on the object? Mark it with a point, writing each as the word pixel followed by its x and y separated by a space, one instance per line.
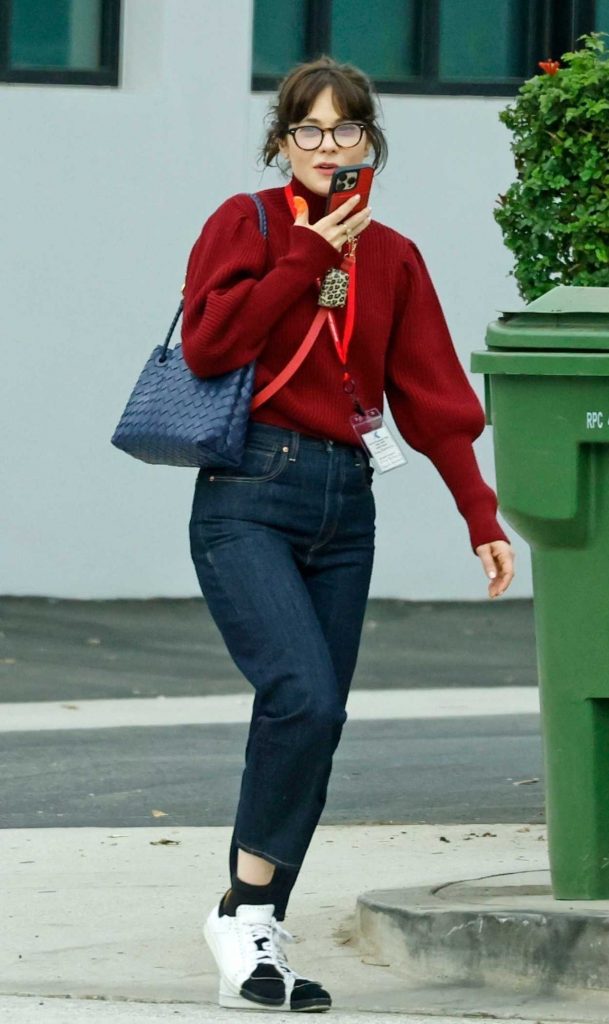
pixel 326 170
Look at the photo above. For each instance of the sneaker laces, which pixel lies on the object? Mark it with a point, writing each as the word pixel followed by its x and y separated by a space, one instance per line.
pixel 272 952
pixel 280 934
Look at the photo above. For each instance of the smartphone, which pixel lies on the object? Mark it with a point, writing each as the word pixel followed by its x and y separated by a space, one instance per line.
pixel 347 182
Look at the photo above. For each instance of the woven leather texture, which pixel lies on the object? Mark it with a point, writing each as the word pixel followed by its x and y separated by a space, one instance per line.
pixel 174 418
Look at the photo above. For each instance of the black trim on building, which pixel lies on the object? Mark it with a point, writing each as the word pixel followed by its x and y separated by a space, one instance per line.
pixel 553 28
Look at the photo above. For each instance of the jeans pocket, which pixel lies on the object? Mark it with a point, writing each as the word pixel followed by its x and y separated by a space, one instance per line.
pixel 260 463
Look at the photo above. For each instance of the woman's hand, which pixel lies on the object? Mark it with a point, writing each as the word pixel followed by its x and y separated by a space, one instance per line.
pixel 498 561
pixel 337 226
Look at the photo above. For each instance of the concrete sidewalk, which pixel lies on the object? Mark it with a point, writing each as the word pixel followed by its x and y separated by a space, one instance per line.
pixel 102 914
pixel 19 1010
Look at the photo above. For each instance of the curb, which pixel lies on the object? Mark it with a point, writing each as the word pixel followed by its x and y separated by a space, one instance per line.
pixel 502 931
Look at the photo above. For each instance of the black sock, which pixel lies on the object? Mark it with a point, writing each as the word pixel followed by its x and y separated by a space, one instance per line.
pixel 245 892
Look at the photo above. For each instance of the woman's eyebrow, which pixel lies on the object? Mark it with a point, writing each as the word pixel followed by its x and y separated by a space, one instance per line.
pixel 313 120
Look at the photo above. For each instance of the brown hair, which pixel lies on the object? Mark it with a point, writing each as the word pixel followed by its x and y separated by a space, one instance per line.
pixel 353 96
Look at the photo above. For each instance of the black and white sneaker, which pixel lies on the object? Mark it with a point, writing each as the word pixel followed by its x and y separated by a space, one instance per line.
pixel 254 972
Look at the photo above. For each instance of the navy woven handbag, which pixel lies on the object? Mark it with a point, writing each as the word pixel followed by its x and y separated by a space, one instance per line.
pixel 175 418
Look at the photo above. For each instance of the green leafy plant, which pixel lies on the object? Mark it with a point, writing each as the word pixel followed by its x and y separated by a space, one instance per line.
pixel 555 216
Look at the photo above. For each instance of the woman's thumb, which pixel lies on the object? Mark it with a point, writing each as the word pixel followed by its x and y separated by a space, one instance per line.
pixel 302 210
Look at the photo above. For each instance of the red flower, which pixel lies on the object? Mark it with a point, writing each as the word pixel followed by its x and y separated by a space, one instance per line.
pixel 549 66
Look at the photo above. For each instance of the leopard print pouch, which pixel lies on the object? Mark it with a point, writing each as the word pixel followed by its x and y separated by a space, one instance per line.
pixel 333 291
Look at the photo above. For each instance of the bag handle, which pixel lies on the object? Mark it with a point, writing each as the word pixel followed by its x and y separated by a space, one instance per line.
pixel 299 356
pixel 263 225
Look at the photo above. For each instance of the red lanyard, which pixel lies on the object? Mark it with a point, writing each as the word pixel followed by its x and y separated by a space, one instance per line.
pixel 348 264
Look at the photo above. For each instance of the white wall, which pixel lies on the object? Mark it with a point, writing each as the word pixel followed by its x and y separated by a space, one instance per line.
pixel 107 190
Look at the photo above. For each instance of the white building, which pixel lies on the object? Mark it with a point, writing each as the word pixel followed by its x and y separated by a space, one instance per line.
pixel 105 190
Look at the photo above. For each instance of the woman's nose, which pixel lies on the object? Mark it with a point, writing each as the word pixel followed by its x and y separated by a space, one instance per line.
pixel 328 143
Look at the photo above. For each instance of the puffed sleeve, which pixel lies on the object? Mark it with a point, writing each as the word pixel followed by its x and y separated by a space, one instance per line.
pixel 433 404
pixel 230 301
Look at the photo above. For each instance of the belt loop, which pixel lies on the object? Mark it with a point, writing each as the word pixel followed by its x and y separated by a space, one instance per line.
pixel 294 439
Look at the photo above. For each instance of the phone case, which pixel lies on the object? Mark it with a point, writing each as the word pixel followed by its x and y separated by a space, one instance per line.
pixel 347 182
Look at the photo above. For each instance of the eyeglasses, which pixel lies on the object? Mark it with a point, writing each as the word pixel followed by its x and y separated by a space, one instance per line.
pixel 345 135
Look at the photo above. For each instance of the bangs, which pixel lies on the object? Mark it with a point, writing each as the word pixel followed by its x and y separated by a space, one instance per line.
pixel 349 100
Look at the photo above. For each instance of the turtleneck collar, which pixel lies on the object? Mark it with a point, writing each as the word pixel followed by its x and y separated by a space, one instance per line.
pixel 316 203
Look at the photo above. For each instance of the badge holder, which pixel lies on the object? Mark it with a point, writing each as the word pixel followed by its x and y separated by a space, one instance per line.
pixel 378 440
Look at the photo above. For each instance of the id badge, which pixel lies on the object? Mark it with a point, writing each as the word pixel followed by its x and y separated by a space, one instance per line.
pixel 378 440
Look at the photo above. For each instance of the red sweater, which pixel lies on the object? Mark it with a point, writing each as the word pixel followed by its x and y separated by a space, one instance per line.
pixel 250 298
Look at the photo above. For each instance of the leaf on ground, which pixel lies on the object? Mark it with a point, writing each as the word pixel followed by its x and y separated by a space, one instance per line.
pixel 71 707
pixel 342 935
pixel 525 782
pixel 165 842
pixel 159 814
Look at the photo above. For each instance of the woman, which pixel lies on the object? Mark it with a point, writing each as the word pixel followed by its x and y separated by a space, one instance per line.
pixel 283 546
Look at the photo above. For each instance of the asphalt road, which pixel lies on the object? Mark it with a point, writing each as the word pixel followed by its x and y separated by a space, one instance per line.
pixel 441 771
pixel 68 650
pixel 435 770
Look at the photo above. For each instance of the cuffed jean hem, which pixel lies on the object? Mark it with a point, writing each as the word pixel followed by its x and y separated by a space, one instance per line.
pixel 267 856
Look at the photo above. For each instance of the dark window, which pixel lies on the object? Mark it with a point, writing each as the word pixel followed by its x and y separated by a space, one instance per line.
pixel 426 47
pixel 280 34
pixel 481 40
pixel 61 42
pixel 602 17
pixel 383 39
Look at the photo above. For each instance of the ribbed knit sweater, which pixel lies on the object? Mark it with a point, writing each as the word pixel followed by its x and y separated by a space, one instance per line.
pixel 250 298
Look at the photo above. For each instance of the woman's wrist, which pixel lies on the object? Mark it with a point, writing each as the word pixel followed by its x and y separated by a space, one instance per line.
pixel 313 250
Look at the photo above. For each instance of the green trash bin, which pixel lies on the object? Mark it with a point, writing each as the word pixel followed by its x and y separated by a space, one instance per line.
pixel 546 375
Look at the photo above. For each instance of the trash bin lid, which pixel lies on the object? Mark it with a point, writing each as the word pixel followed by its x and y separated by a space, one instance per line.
pixel 565 318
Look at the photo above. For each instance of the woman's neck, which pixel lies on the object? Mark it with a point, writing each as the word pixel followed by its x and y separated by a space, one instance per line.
pixel 316 203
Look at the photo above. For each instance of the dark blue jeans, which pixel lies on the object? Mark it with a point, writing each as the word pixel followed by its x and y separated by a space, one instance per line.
pixel 283 549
